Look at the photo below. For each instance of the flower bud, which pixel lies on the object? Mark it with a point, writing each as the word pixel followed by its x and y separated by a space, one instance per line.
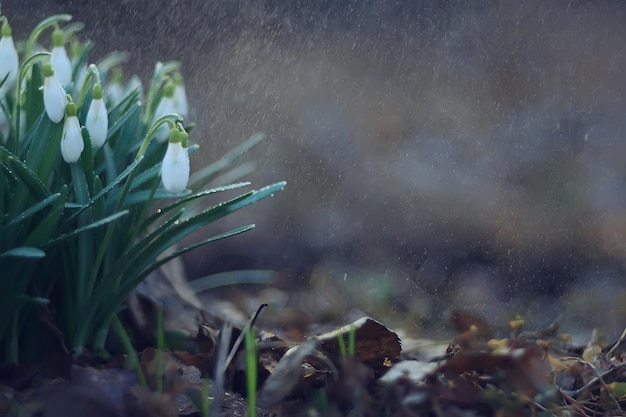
pixel 54 97
pixel 71 139
pixel 9 65
pixel 97 121
pixel 175 167
pixel 59 59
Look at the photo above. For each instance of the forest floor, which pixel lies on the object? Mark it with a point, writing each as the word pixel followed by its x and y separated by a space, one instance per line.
pixel 304 368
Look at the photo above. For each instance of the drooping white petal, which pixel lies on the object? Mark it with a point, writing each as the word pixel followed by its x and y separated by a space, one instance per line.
pixel 175 168
pixel 97 122
pixel 62 65
pixel 166 106
pixel 9 65
pixel 71 140
pixel 54 99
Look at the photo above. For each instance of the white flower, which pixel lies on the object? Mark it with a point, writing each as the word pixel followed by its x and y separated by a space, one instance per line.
pixel 54 97
pixel 71 139
pixel 166 106
pixel 9 66
pixel 180 97
pixel 175 167
pixel 59 59
pixel 97 121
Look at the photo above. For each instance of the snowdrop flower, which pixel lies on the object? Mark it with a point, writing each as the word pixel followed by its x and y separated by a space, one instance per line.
pixel 54 97
pixel 180 97
pixel 175 167
pixel 166 106
pixel 59 59
pixel 8 59
pixel 71 139
pixel 97 121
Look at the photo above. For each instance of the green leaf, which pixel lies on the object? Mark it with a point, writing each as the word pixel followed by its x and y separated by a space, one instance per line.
pixel 32 39
pixel 144 252
pixel 98 195
pixel 45 148
pixel 42 233
pixel 185 200
pixel 132 281
pixel 222 279
pixel 34 209
pixel 93 225
pixel 33 106
pixel 24 252
pixel 201 176
pixel 26 180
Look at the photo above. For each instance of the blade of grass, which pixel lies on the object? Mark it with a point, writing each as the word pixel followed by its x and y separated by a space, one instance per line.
pixel 251 371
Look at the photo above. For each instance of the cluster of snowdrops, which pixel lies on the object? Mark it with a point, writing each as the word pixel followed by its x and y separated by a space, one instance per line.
pixel 60 105
pixel 95 188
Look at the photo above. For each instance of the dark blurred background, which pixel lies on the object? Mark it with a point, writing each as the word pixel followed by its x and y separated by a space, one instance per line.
pixel 438 155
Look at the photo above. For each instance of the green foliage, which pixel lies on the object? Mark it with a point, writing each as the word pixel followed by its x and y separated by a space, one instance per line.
pixel 75 239
pixel 251 370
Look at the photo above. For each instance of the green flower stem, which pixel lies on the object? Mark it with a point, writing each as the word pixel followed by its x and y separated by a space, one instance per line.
pixel 84 322
pixel 161 72
pixel 46 23
pixel 25 68
pixel 101 337
pixel 84 240
pixel 92 72
pixel 144 210
pixel 168 118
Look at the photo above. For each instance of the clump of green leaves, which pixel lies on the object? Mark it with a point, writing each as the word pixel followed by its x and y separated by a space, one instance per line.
pixel 77 237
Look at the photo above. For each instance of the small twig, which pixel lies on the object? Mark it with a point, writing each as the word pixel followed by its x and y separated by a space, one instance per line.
pixel 249 325
pixel 574 403
pixel 598 380
pixel 617 344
